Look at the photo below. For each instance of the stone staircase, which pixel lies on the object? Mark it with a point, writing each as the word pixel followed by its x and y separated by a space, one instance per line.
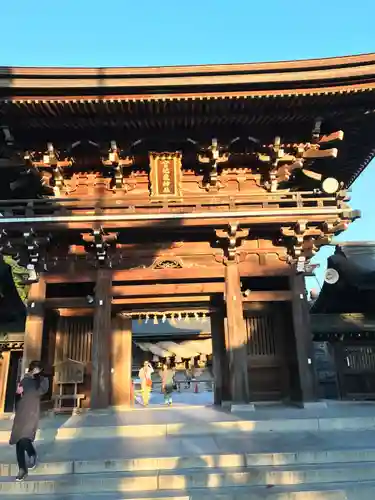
pixel 230 463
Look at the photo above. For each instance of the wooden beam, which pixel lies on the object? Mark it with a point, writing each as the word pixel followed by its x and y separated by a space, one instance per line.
pixel 157 275
pixel 268 296
pixel 342 323
pixel 121 361
pixel 220 358
pixel 100 378
pixel 165 300
pixel 68 305
pixel 177 223
pixel 236 335
pixel 67 312
pixel 303 340
pixel 34 323
pixel 167 289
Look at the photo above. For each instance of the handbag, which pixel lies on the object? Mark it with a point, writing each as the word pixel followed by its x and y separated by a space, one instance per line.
pixel 148 382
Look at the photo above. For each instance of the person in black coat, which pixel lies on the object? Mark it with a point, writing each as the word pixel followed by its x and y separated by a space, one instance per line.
pixel 25 425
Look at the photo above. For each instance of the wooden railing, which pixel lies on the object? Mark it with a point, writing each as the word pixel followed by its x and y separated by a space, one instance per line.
pixel 95 206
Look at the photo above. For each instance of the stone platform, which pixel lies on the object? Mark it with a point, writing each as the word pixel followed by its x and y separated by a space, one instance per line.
pixel 220 456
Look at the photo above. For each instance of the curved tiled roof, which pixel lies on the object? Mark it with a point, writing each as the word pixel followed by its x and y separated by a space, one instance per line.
pixel 341 74
pixel 280 98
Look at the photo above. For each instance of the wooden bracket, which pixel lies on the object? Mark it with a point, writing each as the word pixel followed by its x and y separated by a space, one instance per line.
pixel 284 159
pixel 99 242
pixel 117 163
pixel 232 238
pixel 212 157
pixel 51 161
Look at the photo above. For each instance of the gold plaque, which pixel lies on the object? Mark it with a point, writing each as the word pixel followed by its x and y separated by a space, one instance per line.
pixel 165 175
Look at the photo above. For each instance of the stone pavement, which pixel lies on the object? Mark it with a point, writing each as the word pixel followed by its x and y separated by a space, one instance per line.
pixel 210 453
pixel 118 448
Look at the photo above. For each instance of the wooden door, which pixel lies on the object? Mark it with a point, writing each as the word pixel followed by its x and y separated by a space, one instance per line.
pixel 355 363
pixel 267 365
pixel 74 341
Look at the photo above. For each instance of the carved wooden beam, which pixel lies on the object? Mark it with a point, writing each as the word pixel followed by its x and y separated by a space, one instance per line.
pixel 303 241
pixel 284 159
pixel 118 163
pixel 99 241
pixel 50 160
pixel 232 238
pixel 213 156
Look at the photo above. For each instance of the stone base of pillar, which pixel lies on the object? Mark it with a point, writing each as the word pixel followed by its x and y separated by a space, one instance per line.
pixel 311 405
pixel 249 407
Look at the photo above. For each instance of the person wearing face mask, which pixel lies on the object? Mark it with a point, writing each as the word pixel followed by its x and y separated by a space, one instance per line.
pixel 26 421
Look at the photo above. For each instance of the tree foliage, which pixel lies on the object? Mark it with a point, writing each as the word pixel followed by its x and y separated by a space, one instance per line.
pixel 20 275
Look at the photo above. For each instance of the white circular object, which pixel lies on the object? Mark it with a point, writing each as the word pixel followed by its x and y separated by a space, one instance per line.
pixel 330 185
pixel 331 276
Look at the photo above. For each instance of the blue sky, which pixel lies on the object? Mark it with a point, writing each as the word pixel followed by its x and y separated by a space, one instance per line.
pixel 142 33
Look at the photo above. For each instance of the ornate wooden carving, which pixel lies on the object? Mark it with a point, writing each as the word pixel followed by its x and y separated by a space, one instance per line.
pixel 165 263
pixel 99 242
pixel 232 238
pixel 212 157
pixel 165 175
pixel 117 163
pixel 284 159
pixel 50 160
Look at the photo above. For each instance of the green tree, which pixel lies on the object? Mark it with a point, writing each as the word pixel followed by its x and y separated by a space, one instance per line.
pixel 20 275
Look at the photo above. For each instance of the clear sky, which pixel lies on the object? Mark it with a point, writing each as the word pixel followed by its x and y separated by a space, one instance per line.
pixel 145 32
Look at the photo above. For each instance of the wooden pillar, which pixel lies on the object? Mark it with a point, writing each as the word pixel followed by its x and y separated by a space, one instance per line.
pixel 100 378
pixel 236 335
pixel 220 358
pixel 4 373
pixel 304 349
pixel 32 350
pixel 121 361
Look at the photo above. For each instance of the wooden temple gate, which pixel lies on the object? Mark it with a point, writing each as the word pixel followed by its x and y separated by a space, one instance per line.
pixel 96 331
pixel 212 189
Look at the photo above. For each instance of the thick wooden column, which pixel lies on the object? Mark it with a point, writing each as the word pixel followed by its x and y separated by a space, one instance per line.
pixel 220 357
pixel 121 361
pixel 4 372
pixel 100 377
pixel 32 350
pixel 305 390
pixel 236 335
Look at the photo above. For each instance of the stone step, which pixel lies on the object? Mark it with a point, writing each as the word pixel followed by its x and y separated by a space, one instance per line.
pixel 64 433
pixel 328 492
pixel 147 483
pixel 158 465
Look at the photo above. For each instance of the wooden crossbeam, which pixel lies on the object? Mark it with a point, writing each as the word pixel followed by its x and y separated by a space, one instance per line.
pixel 167 289
pixel 158 275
